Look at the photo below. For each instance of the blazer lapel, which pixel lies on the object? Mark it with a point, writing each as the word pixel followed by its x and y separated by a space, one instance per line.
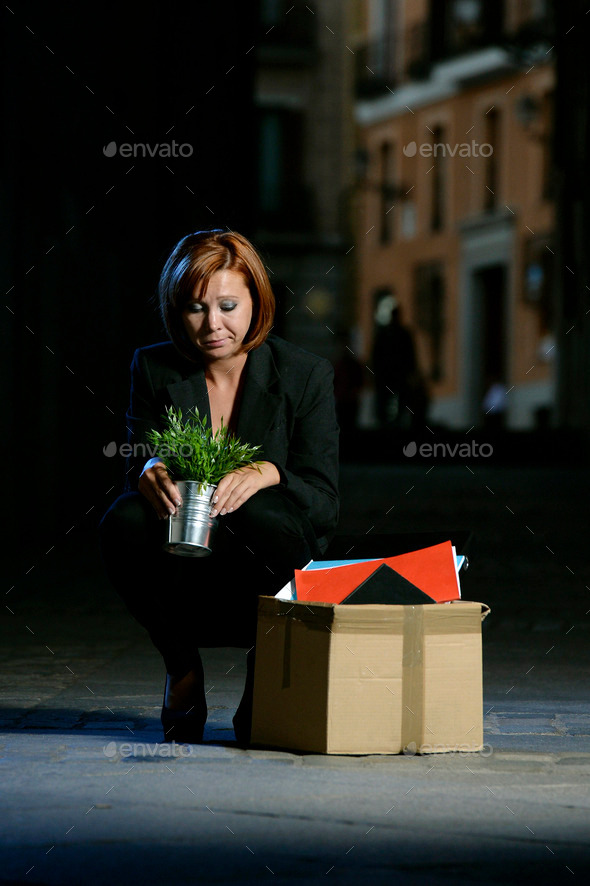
pixel 259 406
pixel 191 393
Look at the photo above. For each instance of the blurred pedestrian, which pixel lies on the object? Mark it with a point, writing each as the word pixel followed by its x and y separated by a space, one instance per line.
pixel 494 403
pixel 397 379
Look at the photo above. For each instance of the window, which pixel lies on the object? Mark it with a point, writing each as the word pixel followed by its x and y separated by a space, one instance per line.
pixel 378 61
pixel 473 23
pixel 286 26
pixel 539 275
pixel 491 159
pixel 548 117
pixel 437 176
pixel 284 200
pixel 459 26
pixel 387 193
pixel 382 49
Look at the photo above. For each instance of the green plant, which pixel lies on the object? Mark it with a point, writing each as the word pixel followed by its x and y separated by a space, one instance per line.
pixel 191 451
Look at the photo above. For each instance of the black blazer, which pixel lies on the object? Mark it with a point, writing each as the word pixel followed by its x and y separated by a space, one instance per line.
pixel 287 408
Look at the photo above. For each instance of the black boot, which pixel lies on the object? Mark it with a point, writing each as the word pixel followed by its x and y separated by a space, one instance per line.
pixel 186 726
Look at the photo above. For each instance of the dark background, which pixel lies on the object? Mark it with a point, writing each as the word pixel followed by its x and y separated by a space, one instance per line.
pixel 85 235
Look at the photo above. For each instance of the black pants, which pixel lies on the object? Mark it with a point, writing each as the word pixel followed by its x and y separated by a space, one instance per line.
pixel 185 603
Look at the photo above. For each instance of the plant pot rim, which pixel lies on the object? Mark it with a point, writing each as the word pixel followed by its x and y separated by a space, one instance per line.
pixel 202 483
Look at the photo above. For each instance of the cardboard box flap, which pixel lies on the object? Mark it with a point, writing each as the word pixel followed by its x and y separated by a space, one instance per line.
pixel 365 618
pixel 314 614
pixel 371 617
pixel 485 610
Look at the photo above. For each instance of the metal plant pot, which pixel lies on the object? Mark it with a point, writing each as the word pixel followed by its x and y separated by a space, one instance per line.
pixel 192 530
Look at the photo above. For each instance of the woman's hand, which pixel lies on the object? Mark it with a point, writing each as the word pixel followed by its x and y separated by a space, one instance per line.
pixel 155 484
pixel 236 488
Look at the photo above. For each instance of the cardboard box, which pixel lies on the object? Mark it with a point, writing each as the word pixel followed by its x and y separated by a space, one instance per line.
pixel 368 679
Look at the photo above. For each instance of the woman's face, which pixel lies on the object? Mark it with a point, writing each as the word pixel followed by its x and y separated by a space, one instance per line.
pixel 219 322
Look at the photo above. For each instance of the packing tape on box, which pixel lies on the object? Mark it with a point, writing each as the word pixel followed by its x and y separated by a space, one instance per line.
pixel 413 675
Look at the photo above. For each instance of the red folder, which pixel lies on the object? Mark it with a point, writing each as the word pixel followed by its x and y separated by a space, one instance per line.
pixel 431 569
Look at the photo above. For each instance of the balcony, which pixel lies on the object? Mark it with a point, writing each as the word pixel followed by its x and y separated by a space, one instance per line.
pixel 379 66
pixel 394 59
pixel 376 70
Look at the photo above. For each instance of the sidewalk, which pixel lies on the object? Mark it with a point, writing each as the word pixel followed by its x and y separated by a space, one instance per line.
pixel 91 796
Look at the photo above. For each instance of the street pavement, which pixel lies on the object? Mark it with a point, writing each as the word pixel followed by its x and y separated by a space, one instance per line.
pixel 90 795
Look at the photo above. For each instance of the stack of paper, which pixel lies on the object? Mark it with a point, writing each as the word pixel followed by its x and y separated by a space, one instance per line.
pixel 431 571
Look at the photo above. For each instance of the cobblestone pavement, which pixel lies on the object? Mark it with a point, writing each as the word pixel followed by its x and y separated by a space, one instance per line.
pixel 90 794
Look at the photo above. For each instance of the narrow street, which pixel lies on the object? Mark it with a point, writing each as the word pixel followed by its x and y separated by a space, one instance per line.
pixel 90 796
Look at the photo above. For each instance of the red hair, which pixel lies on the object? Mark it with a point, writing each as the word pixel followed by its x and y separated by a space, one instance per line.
pixel 187 273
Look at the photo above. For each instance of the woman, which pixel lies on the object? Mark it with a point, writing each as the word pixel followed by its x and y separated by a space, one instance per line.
pixel 217 307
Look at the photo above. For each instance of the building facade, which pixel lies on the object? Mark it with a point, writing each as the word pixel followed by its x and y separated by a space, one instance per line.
pixel 454 203
pixel 305 106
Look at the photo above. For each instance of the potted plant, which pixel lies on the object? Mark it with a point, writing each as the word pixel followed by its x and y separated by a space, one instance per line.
pixel 197 459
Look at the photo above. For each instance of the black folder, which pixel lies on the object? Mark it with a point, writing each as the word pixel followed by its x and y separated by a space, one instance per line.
pixel 385 585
